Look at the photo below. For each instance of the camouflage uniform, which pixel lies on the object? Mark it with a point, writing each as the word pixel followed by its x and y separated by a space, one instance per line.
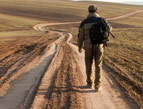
pixel 91 54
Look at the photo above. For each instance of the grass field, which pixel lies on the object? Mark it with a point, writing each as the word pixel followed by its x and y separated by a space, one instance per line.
pixel 60 10
pixel 123 54
pixel 14 26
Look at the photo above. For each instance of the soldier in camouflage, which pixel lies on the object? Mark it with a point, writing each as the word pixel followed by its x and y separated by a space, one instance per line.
pixel 91 54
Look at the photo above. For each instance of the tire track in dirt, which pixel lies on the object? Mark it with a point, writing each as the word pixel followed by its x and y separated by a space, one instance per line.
pixel 63 93
pixel 59 90
pixel 20 58
pixel 19 89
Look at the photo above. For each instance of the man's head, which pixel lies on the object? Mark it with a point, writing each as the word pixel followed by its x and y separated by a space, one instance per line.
pixel 92 9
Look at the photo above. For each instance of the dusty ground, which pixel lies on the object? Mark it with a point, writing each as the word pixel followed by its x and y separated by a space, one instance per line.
pixel 17 53
pixel 48 72
pixel 65 87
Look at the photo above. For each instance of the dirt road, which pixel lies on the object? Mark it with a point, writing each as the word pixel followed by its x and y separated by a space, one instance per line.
pixel 38 27
pixel 63 85
pixel 67 86
pixel 52 75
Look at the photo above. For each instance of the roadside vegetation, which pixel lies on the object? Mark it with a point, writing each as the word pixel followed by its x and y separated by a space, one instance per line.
pixel 123 54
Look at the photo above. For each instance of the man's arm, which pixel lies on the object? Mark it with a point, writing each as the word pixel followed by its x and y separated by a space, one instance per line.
pixel 80 37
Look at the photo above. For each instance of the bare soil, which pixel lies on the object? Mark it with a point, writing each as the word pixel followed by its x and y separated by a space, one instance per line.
pixel 21 51
pixel 64 93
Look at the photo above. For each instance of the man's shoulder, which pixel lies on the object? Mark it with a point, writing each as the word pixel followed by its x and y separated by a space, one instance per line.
pixel 82 22
pixel 89 20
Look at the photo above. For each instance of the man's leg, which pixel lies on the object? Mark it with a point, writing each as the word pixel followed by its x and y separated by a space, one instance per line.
pixel 88 62
pixel 99 50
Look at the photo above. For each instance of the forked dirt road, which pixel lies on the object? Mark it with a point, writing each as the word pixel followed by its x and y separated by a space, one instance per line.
pixel 56 79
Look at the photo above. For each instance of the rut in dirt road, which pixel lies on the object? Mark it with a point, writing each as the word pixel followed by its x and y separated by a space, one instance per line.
pixel 66 87
pixel 64 90
pixel 63 93
pixel 19 54
pixel 19 83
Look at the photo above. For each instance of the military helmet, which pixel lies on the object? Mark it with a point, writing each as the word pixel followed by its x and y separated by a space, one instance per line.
pixel 92 8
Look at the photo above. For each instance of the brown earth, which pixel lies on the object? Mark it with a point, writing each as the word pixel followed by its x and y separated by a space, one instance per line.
pixel 20 52
pixel 64 93
pixel 62 82
pixel 65 88
pixel 63 85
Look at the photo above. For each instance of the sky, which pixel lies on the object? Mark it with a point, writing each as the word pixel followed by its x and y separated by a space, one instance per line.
pixel 140 2
pixel 113 0
pixel 122 0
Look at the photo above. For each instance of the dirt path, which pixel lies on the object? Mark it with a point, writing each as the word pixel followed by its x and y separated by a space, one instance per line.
pixel 19 84
pixel 126 15
pixel 56 76
pixel 67 88
pixel 63 85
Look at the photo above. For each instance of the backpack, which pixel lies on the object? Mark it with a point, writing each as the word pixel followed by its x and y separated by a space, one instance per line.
pixel 99 32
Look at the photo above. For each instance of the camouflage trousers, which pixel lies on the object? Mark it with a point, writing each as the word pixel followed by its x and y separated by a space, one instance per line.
pixel 96 55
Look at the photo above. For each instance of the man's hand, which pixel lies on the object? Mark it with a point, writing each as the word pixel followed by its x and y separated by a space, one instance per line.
pixel 80 50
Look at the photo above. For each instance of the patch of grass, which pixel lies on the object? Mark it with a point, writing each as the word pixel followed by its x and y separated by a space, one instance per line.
pixel 124 55
pixel 136 20
pixel 127 49
pixel 66 10
pixel 15 23
pixel 12 35
pixel 13 27
pixel 17 15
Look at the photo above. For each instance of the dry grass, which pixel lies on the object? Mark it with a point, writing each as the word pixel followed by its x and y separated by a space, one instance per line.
pixel 124 56
pixel 135 20
pixel 60 10
pixel 16 23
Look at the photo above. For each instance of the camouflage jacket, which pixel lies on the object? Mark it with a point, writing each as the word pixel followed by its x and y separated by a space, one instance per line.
pixel 84 31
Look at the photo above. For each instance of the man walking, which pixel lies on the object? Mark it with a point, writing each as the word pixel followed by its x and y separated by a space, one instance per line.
pixel 91 52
